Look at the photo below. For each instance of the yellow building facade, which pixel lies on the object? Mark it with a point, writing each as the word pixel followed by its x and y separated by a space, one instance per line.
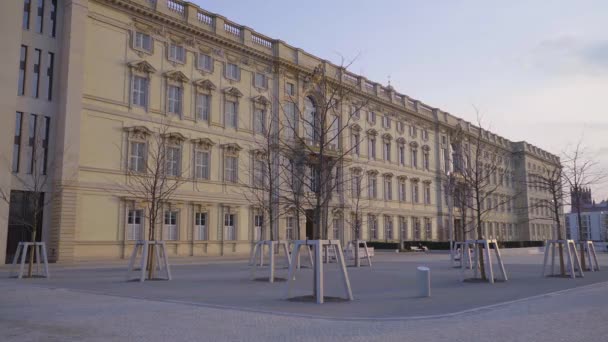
pixel 123 69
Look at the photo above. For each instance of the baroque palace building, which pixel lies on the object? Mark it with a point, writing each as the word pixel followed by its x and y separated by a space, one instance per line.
pixel 89 82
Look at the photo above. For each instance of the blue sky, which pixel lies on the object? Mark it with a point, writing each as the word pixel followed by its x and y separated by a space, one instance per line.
pixel 537 70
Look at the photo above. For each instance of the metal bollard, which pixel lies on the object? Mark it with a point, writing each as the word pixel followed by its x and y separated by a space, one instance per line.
pixel 424 281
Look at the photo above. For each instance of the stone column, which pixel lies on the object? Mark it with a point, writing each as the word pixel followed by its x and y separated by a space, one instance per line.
pixel 71 82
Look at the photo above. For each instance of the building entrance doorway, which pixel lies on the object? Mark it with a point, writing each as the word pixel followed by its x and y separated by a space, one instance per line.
pixel 22 209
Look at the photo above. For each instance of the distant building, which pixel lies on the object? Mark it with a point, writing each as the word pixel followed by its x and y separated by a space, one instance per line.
pixel 594 217
pixel 594 226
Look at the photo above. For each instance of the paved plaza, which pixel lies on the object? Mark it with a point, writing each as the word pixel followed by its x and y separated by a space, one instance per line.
pixel 216 300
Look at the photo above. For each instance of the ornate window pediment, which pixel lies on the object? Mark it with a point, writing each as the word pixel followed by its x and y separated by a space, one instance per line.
pixel 415 180
pixel 142 66
pixel 355 128
pixel 372 172
pixel 176 75
pixel 336 212
pixel 232 91
pixel 387 174
pixel 232 148
pixel 426 148
pixel 372 131
pixel 203 143
pixel 356 169
pixel 174 138
pixel 204 84
pixel 401 140
pixel 387 136
pixel 138 132
pixel 413 144
pixel 261 99
pixel 426 181
pixel 258 154
pixel 401 178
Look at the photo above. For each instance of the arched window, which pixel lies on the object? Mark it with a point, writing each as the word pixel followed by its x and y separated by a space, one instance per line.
pixel 310 119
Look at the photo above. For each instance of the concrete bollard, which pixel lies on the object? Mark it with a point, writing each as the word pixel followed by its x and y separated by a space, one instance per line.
pixel 424 281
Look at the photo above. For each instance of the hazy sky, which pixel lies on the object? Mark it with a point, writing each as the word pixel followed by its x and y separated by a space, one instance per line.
pixel 537 70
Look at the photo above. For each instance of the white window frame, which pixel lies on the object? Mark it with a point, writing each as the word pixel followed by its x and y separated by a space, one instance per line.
pixel 230 227
pixel 231 171
pixel 259 121
pixel 135 231
pixel 258 227
pixel 137 161
pixel 201 221
pixel 203 107
pixel 139 90
pixel 175 96
pixel 202 168
pixel 177 53
pixel 233 72
pixel 260 80
pixel 231 113
pixel 171 224
pixel 139 42
pixel 173 160
pixel 204 62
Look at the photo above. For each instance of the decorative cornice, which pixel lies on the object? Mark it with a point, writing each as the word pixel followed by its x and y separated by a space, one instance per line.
pixel 142 66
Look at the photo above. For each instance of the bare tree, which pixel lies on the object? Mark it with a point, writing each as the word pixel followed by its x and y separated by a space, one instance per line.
pixel 551 180
pixel 358 203
pixel 580 172
pixel 154 174
pixel 35 190
pixel 481 181
pixel 266 174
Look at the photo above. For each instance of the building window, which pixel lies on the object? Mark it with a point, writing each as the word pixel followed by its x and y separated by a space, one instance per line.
pixel 259 173
pixel 231 169
pixel 26 14
pixel 427 193
pixel 399 126
pixel 310 121
pixel 233 72
pixel 229 227
pixel 231 114
pixel 31 152
pixel 177 53
pixel 372 222
pixel 371 146
pixel 45 143
pixel 260 81
pixel 428 233
pixel 425 134
pixel 22 66
pixel 336 228
pixel 173 160
pixel 414 157
pixel 373 186
pixel 371 117
pixel 403 231
pixel 140 91
pixel 415 197
pixel 289 227
pixel 386 122
pixel 259 121
pixel 201 164
pixel 291 121
pixel 53 18
pixel 388 188
pixel 17 142
pixel 416 225
pixel 36 73
pixel 200 226
pixel 170 225
pixel 290 89
pixel 388 227
pixel 49 76
pixel 402 154
pixel 402 190
pixel 142 41
pixel 39 16
pixel 426 160
pixel 258 224
pixel 413 131
pixel 203 107
pixel 355 143
pixel 137 158
pixel 174 99
pixel 135 228
pixel 205 62
pixel 387 151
